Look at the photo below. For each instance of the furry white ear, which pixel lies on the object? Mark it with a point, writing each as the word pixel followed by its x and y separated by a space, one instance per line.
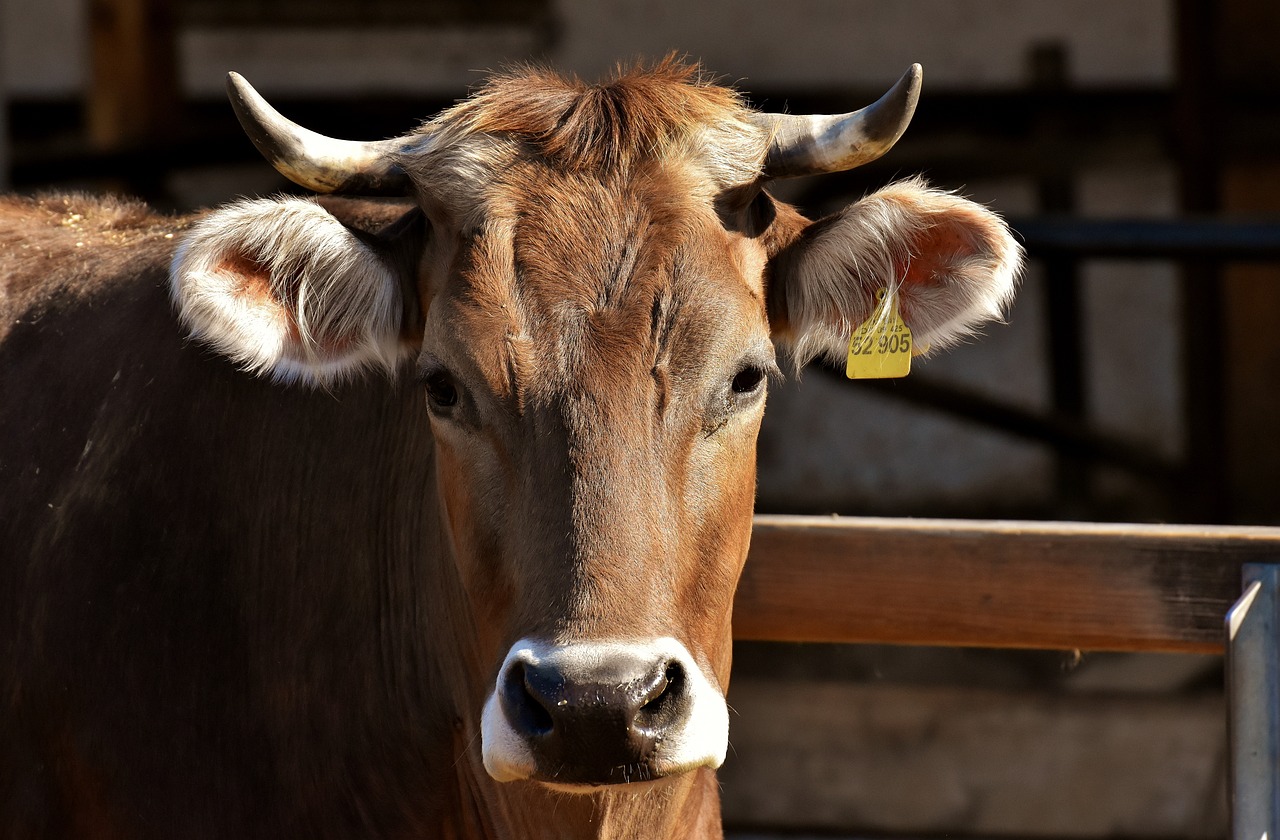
pixel 285 289
pixel 952 263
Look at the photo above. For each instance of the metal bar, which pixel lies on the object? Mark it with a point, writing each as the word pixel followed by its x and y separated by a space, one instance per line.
pixel 1253 702
pixel 1171 239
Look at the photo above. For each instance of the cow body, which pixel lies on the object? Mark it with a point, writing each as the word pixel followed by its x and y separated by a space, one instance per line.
pixel 488 600
pixel 151 698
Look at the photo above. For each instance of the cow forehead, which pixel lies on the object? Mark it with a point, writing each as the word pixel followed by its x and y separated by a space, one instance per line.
pixel 586 246
pixel 570 278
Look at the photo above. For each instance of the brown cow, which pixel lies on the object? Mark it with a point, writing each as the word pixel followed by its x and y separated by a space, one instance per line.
pixel 237 608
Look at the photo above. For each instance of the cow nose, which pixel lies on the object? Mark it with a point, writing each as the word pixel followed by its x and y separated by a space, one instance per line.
pixel 602 725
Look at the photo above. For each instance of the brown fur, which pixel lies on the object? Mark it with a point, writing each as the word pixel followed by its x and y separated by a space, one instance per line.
pixel 602 129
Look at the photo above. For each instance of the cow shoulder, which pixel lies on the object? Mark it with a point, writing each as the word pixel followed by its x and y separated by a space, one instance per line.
pixel 56 248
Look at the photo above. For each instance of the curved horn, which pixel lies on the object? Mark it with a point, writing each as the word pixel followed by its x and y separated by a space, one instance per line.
pixel 809 145
pixel 312 160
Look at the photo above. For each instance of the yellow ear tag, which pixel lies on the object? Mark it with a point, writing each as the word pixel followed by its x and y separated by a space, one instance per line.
pixel 881 347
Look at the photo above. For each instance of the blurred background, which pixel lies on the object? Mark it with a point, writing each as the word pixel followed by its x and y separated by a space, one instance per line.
pixel 1134 145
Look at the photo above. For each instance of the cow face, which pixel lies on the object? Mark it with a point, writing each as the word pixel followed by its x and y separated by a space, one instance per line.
pixel 595 369
pixel 590 290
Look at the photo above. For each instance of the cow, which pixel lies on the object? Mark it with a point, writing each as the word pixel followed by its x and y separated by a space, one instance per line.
pixel 424 514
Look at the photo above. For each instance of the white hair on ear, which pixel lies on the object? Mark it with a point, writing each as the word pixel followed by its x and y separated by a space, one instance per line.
pixel 967 253
pixel 282 287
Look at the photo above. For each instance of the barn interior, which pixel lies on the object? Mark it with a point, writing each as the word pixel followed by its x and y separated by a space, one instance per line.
pixel 1135 147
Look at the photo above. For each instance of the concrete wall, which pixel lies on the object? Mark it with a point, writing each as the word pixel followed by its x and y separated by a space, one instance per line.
pixel 44 48
pixel 797 45
pixel 928 761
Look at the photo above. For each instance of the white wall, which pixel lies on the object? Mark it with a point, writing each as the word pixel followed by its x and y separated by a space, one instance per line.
pixel 43 47
pixel 803 43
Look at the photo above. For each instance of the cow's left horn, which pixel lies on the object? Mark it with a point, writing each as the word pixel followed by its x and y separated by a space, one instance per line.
pixel 809 145
pixel 312 160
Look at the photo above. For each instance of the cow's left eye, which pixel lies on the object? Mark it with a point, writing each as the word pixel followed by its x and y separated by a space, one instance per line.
pixel 441 392
pixel 748 380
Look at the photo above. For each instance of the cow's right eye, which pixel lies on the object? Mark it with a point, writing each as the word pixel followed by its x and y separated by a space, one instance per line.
pixel 441 392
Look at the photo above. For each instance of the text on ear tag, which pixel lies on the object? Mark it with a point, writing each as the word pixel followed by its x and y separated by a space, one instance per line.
pixel 881 347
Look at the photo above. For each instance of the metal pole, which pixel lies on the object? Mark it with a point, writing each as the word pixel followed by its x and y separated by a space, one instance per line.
pixel 1253 703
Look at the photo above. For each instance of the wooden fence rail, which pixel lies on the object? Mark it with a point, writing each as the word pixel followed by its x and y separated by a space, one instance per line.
pixel 995 584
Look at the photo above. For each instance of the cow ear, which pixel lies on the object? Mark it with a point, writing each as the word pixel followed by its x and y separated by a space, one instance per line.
pixel 953 264
pixel 284 288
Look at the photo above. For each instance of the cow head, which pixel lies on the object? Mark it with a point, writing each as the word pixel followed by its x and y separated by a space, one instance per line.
pixel 590 288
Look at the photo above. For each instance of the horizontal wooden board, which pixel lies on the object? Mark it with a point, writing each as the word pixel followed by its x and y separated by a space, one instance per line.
pixel 995 584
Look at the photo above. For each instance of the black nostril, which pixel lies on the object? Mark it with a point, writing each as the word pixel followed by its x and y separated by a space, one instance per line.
pixel 664 692
pixel 658 688
pixel 527 697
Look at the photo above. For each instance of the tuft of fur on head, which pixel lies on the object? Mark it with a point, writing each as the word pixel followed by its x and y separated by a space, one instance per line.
pixel 283 288
pixel 666 111
pixel 952 265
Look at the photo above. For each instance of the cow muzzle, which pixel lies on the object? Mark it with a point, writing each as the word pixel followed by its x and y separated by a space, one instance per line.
pixel 588 714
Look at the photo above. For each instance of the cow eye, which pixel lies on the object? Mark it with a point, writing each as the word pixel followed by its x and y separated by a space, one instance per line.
pixel 441 392
pixel 748 380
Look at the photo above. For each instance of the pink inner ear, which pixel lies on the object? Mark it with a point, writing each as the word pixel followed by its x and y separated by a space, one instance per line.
pixel 251 279
pixel 251 285
pixel 935 251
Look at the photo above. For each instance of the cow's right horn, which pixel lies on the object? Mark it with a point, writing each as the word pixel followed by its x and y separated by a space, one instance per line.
pixel 813 144
pixel 312 160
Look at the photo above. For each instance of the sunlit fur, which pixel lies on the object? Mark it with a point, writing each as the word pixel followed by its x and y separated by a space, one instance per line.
pixel 952 265
pixel 669 114
pixel 282 288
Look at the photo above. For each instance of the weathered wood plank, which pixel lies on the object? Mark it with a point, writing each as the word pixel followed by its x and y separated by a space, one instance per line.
pixel 995 584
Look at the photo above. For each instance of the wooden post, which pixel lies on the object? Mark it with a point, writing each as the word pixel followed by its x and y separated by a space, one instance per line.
pixel 1064 305
pixel 133 94
pixel 1205 494
pixel 4 112
pixel 1250 76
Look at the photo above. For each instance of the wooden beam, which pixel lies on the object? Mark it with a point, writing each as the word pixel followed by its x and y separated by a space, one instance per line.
pixel 133 95
pixel 1047 585
pixel 4 112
